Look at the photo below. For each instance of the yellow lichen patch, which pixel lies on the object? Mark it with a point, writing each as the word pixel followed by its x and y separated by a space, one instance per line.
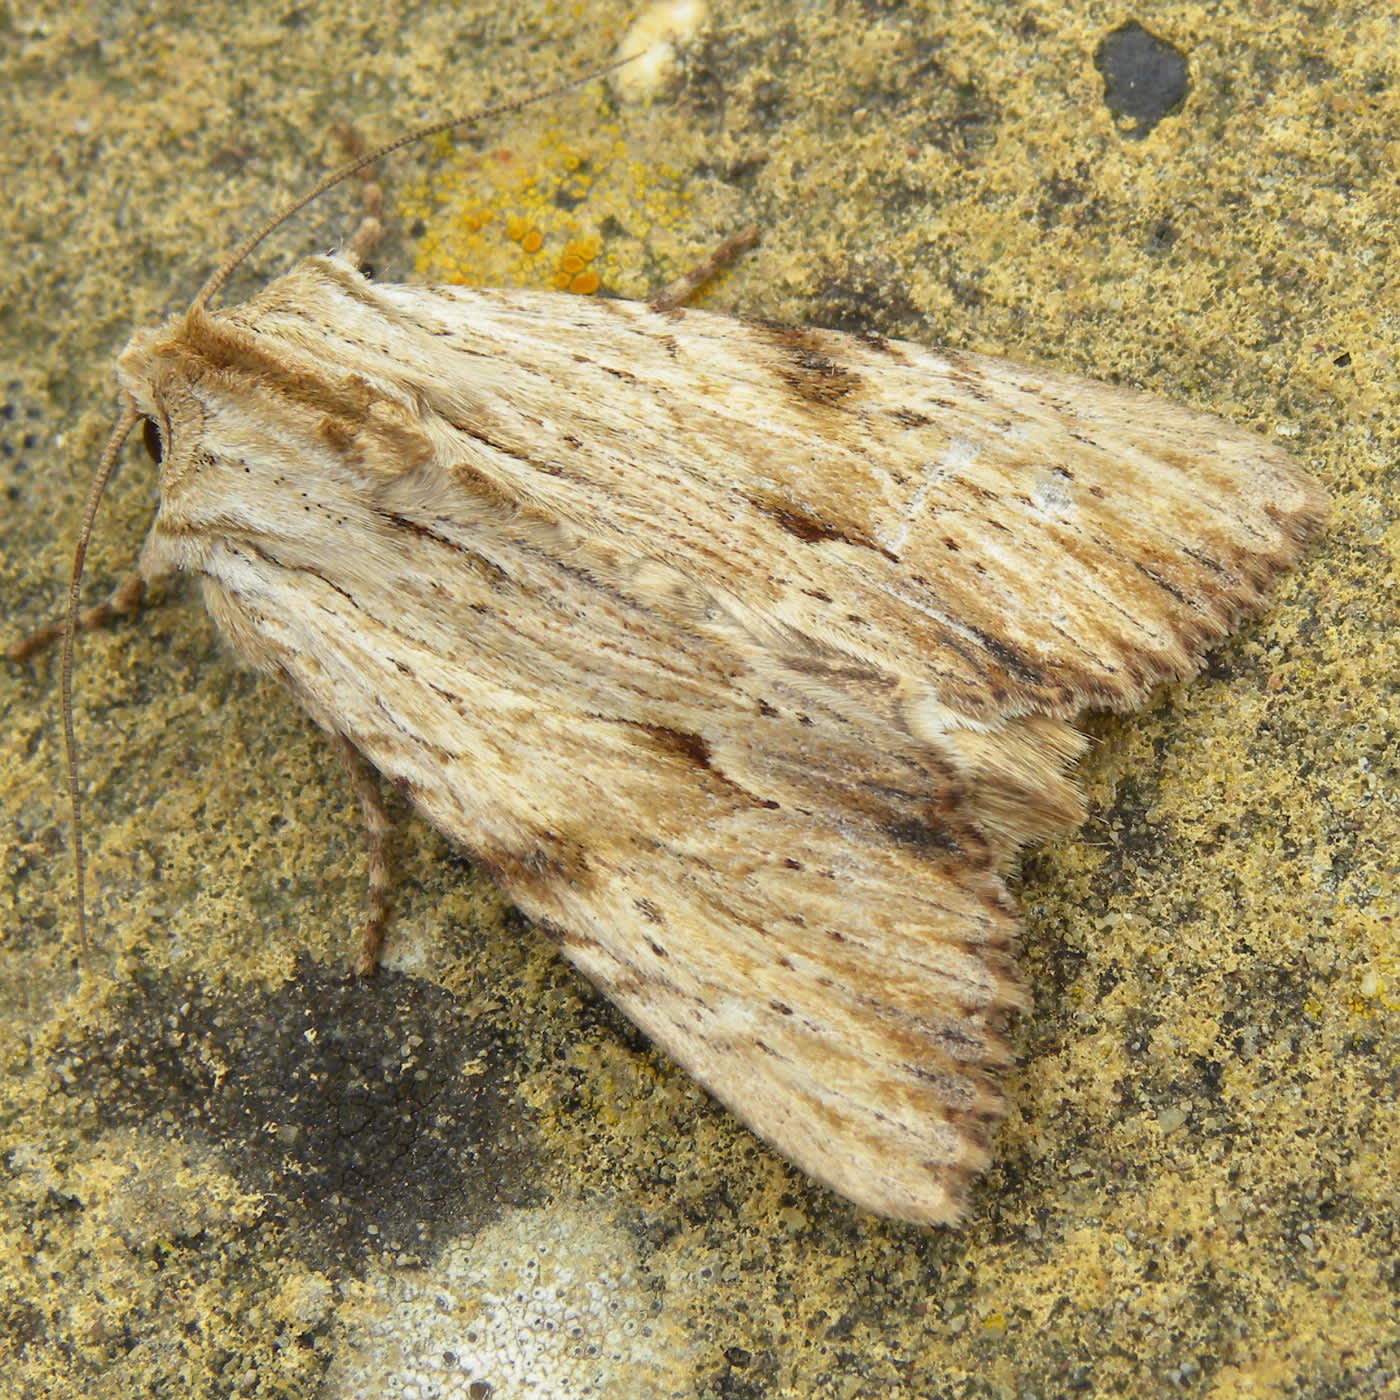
pixel 553 213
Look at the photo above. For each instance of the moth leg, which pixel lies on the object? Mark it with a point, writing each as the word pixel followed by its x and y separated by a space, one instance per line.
pixel 685 286
pixel 371 229
pixel 378 830
pixel 124 600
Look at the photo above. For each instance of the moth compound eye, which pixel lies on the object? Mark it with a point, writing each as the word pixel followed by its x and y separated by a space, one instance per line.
pixel 150 435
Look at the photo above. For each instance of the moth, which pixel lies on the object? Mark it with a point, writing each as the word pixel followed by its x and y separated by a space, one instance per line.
pixel 746 657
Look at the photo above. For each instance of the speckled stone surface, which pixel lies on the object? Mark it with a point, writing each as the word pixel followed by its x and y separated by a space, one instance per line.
pixel 228 1172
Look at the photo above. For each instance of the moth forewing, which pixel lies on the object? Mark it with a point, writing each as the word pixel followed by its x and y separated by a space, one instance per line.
pixel 743 656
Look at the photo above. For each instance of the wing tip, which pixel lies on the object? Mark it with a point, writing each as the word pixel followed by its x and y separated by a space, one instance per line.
pixel 936 1195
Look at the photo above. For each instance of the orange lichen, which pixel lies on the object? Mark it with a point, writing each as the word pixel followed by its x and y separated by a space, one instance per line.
pixel 486 217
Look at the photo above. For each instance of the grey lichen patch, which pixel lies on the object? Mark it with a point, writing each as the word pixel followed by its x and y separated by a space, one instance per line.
pixel 553 1303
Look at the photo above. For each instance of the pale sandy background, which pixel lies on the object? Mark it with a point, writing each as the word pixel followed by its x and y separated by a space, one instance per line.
pixel 226 1172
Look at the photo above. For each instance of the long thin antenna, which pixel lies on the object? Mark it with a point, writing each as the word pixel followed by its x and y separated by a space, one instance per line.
pixel 226 269
pixel 105 466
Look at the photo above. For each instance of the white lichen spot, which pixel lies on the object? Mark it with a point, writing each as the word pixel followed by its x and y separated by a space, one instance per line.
pixel 542 1303
pixel 656 37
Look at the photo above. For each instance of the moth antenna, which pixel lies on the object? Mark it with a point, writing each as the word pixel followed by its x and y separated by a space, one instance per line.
pixel 105 466
pixel 230 265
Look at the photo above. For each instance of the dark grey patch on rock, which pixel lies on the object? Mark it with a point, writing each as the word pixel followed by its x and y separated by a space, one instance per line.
pixel 346 1104
pixel 1145 78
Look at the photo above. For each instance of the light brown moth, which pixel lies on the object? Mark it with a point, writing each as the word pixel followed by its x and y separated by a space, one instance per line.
pixel 746 657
